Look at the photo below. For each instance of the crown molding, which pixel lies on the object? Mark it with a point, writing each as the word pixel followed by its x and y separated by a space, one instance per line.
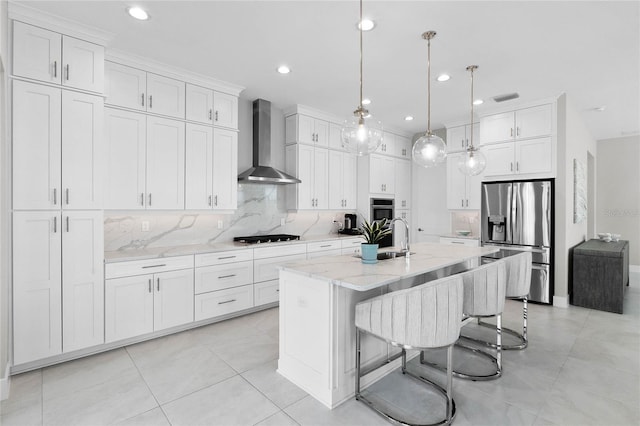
pixel 21 12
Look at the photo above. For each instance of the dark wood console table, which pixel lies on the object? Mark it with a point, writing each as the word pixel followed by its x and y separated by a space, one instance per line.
pixel 600 273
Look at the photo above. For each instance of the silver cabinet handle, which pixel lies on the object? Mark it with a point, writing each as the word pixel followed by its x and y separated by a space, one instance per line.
pixel 67 223
pixel 154 266
pixel 149 198
pixel 66 195
pixel 467 203
pixel 226 301
pixel 209 200
pixel 226 257
pixel 511 132
pixel 215 200
pixel 226 276
pixel 325 245
pixel 517 166
pixel 150 285
pixel 210 114
pixel 142 198
pixel 158 283
pixel 150 101
pixel 518 131
pixel 142 97
pixel 420 229
pixel 55 68
pixel 457 242
pixel 55 224
pixel 67 72
pixel 216 116
pixel 461 202
pixel 511 166
pixel 55 196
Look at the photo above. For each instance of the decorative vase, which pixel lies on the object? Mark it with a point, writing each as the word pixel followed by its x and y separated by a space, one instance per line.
pixel 369 253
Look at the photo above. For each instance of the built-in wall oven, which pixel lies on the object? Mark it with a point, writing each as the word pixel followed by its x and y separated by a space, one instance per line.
pixel 382 208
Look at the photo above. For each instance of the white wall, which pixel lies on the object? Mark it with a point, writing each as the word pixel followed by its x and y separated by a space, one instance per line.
pixel 618 188
pixel 574 142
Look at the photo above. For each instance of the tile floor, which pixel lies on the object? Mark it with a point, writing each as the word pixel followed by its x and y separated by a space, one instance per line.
pixel 582 368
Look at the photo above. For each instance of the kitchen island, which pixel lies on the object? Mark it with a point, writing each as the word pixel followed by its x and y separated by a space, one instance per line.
pixel 317 313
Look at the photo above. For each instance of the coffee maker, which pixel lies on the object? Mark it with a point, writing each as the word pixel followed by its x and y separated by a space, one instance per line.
pixel 350 225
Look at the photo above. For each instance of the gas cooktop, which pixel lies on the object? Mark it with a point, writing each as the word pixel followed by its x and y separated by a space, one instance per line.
pixel 257 239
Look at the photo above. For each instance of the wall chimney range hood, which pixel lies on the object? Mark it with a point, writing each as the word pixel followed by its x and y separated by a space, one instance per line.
pixel 262 172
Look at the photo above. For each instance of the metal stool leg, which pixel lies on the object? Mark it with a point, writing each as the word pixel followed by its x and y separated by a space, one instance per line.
pixel 524 341
pixel 357 363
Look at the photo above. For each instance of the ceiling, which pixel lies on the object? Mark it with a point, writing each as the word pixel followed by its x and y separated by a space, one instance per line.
pixel 588 50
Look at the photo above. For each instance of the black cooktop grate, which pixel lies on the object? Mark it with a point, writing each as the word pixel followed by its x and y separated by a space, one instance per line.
pixel 257 239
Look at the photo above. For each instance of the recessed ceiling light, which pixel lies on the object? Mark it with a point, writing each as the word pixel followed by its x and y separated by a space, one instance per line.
pixel 408 118
pixel 443 77
pixel 138 13
pixel 600 108
pixel 366 101
pixel 478 102
pixel 367 25
pixel 283 69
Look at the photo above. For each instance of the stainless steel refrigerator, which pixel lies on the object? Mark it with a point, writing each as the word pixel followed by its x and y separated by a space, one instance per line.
pixel 518 216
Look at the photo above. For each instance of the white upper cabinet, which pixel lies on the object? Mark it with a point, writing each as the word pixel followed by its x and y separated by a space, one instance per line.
pixel 225 169
pixel 342 180
pixel 165 96
pixel 51 57
pixel 335 137
pixel 463 192
pixel 382 170
pixel 402 184
pixel 301 128
pixel 311 166
pixel 125 86
pixel 459 137
pixel 388 144
pixel 199 104
pixel 403 147
pixel 125 157
pixel 225 110
pixel 165 164
pixel 82 151
pixel 36 148
pixel 520 124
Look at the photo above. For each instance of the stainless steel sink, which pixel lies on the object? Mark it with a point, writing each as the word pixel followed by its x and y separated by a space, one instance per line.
pixel 392 254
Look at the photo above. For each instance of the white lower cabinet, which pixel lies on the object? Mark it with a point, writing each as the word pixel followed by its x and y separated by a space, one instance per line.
pixel 351 246
pixel 144 303
pixel 266 292
pixel 471 242
pixel 216 303
pixel 57 279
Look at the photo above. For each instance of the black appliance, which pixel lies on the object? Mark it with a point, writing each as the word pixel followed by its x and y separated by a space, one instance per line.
pixel 382 208
pixel 350 226
pixel 518 216
pixel 257 239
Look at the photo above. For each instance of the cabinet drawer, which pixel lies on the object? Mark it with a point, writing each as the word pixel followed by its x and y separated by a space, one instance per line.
pixel 210 259
pixel 334 252
pixel 284 250
pixel 323 246
pixel 352 251
pixel 460 241
pixel 266 292
pixel 351 243
pixel 267 269
pixel 222 302
pixel 147 266
pixel 219 277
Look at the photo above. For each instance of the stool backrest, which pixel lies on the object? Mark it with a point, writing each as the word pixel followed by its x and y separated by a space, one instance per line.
pixel 518 274
pixel 425 316
pixel 484 289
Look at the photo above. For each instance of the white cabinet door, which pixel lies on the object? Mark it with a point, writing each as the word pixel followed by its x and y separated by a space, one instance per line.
pixel 388 144
pixel 306 129
pixel 199 167
pixel 381 174
pixel 82 151
pixel 36 148
pixel 533 122
pixel 335 136
pixel 474 190
pixel 534 156
pixel 456 138
pixel 321 178
pixel 336 180
pixel 225 110
pixel 128 307
pixel 36 53
pixel 402 184
pixel 199 104
pixel 350 183
pixel 82 280
pixel 165 163
pixel 125 146
pixel 322 133
pixel 225 169
pixel 125 86
pixel 37 310
pixel 497 128
pixel 83 64
pixel 403 147
pixel 500 158
pixel 165 96
pixel 299 163
pixel 456 184
pixel 173 299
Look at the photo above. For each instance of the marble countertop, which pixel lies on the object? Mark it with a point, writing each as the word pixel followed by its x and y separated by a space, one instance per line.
pixel 160 252
pixel 350 272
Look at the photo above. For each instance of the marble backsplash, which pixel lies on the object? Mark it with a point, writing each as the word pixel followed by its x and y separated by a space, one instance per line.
pixel 261 209
pixel 466 221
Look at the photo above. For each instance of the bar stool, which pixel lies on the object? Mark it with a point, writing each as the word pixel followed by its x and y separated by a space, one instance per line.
pixel 518 268
pixel 484 295
pixel 422 317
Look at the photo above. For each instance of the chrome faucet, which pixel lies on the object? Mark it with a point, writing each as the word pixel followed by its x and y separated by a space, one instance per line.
pixel 406 249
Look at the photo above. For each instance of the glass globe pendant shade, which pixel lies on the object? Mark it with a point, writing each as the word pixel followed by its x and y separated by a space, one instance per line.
pixel 361 134
pixel 429 150
pixel 472 163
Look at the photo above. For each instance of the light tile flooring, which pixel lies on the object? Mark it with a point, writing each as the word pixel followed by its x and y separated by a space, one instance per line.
pixel 582 368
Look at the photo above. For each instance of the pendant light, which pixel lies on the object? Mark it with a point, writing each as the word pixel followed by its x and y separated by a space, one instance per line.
pixel 361 133
pixel 429 150
pixel 473 161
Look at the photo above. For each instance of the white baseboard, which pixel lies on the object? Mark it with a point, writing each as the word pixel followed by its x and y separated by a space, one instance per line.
pixel 561 301
pixel 635 269
pixel 5 381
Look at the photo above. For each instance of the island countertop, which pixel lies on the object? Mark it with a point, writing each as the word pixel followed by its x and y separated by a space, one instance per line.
pixel 350 272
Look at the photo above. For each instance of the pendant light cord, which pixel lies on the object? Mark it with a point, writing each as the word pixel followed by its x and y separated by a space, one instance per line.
pixel 471 68
pixel 360 26
pixel 429 86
